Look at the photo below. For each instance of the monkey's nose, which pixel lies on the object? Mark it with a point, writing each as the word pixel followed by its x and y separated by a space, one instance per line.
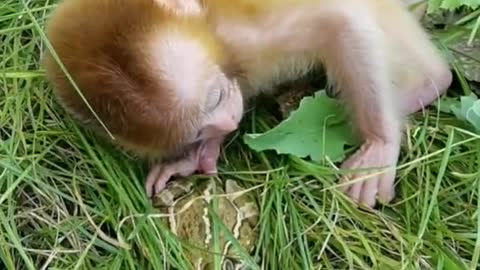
pixel 235 121
pixel 231 124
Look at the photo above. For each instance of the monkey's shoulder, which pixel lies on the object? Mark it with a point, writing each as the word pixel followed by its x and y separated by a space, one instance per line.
pixel 249 9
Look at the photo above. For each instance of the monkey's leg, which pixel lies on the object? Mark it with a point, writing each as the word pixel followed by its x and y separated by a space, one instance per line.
pixel 428 75
pixel 418 69
pixel 427 87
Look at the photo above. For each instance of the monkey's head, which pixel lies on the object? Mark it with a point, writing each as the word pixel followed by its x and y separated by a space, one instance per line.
pixel 201 78
pixel 162 83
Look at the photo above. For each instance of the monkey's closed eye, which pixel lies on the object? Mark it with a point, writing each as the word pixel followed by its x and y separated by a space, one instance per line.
pixel 214 99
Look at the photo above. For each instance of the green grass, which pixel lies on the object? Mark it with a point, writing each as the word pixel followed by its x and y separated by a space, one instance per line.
pixel 70 201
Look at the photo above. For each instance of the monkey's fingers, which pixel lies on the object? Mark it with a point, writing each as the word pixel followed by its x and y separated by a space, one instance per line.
pixel 386 187
pixel 151 178
pixel 369 185
pixel 162 178
pixel 160 174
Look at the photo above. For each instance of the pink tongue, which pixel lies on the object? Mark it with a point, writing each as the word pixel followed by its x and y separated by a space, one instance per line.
pixel 208 166
pixel 209 153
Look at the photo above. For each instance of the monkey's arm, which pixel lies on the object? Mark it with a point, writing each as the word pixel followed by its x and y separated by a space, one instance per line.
pixel 357 42
pixel 356 59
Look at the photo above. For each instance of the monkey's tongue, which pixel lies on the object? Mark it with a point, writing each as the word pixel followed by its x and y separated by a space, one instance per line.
pixel 208 166
pixel 209 153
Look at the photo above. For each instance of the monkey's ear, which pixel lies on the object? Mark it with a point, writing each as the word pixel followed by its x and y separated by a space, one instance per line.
pixel 183 7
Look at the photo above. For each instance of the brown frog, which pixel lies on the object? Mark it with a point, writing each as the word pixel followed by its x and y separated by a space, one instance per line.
pixel 189 204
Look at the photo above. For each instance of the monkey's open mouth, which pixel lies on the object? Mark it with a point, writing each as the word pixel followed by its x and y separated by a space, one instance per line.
pixel 209 152
pixel 203 154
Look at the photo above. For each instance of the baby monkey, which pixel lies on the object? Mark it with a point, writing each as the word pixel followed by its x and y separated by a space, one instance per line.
pixel 169 78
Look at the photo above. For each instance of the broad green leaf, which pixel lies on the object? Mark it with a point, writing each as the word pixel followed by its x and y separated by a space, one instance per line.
pixel 318 128
pixel 453 4
pixel 434 5
pixel 468 110
pixel 445 105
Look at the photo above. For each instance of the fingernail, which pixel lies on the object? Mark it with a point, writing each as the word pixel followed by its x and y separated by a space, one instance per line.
pixel 211 172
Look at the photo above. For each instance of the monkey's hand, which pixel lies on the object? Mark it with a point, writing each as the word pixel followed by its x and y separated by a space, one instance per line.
pixel 160 174
pixel 202 159
pixel 375 163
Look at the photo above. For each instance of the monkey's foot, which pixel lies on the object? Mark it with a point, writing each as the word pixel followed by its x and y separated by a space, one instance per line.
pixel 374 179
